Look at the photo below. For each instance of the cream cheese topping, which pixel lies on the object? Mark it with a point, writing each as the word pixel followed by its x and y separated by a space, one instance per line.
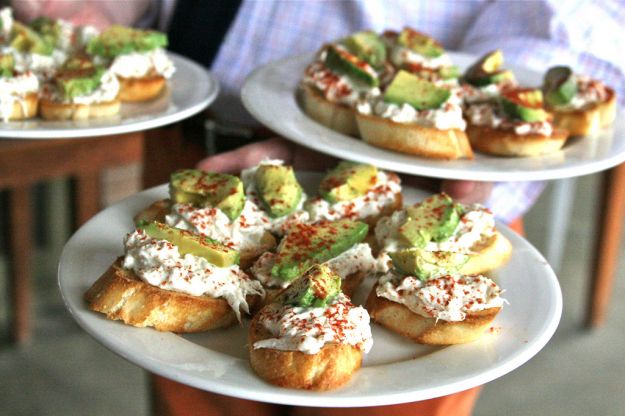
pixel 448 298
pixel 142 64
pixel 309 329
pixel 487 115
pixel 472 94
pixel 379 197
pixel 401 56
pixel 6 21
pixel 243 233
pixel 83 34
pixel 15 89
pixel 159 263
pixel 41 65
pixel 589 92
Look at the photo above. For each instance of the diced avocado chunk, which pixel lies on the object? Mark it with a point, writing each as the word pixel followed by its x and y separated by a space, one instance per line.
pixel 317 287
pixel 420 43
pixel 7 64
pixel 415 91
pixel 524 104
pixel 434 219
pixel 559 85
pixel 208 189
pixel 77 62
pixel 48 29
pixel 194 244
pixel 449 72
pixel 79 82
pixel 278 189
pixel 340 60
pixel 487 70
pixel 368 46
pixel 426 264
pixel 25 39
pixel 348 180
pixel 308 244
pixel 119 40
pixel 494 78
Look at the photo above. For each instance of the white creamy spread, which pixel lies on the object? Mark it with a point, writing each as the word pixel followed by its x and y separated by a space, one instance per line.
pixel 159 263
pixel 472 94
pixel 42 65
pixel 448 298
pixel 309 329
pixel 143 64
pixel 355 260
pixel 244 233
pixel 487 115
pixel 589 92
pixel 382 195
pixel 14 90
pixel 66 35
pixel 105 92
pixel 275 225
pixel 83 34
pixel 401 56
pixel 6 20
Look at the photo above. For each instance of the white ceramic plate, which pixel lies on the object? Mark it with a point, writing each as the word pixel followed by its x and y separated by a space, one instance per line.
pixel 269 95
pixel 395 371
pixel 191 89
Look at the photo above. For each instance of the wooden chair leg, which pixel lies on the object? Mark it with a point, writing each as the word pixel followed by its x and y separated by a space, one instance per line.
pixel 87 197
pixel 608 239
pixel 20 251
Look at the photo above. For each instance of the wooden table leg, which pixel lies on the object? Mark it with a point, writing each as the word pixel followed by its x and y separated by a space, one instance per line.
pixel 609 233
pixel 87 197
pixel 20 249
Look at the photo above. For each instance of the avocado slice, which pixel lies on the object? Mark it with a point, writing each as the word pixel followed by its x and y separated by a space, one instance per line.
pixel 79 82
pixel 340 60
pixel 425 264
pixel 119 40
pixel 49 29
pixel 317 287
pixel 278 189
pixel 487 70
pixel 417 92
pixel 434 219
pixel 25 39
pixel 559 85
pixel 367 46
pixel 7 65
pixel 420 43
pixel 208 189
pixel 308 244
pixel 194 244
pixel 449 72
pixel 348 180
pixel 524 104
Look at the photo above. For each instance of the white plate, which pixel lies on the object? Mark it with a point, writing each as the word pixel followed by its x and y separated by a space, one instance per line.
pixel 269 95
pixel 395 371
pixel 191 89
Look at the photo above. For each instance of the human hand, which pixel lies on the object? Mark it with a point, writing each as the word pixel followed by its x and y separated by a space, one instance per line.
pixel 303 158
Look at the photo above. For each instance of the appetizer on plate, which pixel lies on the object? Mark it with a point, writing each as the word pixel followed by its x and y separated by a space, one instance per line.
pixel 485 80
pixel 19 91
pixel 343 74
pixel 579 104
pixel 410 48
pixel 214 205
pixel 311 337
pixel 415 116
pixel 516 125
pixel 33 52
pixel 356 191
pixel 440 225
pixel 137 58
pixel 337 244
pixel 174 280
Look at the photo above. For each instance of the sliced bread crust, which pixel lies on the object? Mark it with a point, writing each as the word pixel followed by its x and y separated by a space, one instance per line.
pixel 491 253
pixel 502 142
pixel 24 107
pixel 52 110
pixel 587 121
pixel 141 89
pixel 338 117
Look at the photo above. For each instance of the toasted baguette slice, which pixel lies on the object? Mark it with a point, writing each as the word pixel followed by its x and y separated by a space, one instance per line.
pixel 414 139
pixel 159 209
pixel 338 117
pixel 422 330
pixel 141 89
pixel 587 121
pixel 52 110
pixel 492 252
pixel 507 143
pixel 24 107
pixel 329 369
pixel 121 295
pixel 397 204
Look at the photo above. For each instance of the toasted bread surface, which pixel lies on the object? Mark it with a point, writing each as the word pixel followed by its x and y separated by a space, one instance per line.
pixel 24 107
pixel 502 142
pixel 587 121
pixel 338 117
pixel 52 110
pixel 491 253
pixel 413 138
pixel 141 89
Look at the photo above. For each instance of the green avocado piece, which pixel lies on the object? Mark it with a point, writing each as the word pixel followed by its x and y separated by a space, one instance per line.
pixel 426 264
pixel 194 244
pixel 487 70
pixel 25 39
pixel 559 86
pixel 208 189
pixel 449 72
pixel 119 40
pixel 420 43
pixel 434 219
pixel 79 82
pixel 415 91
pixel 48 29
pixel 348 180
pixel 340 60
pixel 278 189
pixel 367 46
pixel 494 78
pixel 7 64
pixel 308 244
pixel 524 104
pixel 317 287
